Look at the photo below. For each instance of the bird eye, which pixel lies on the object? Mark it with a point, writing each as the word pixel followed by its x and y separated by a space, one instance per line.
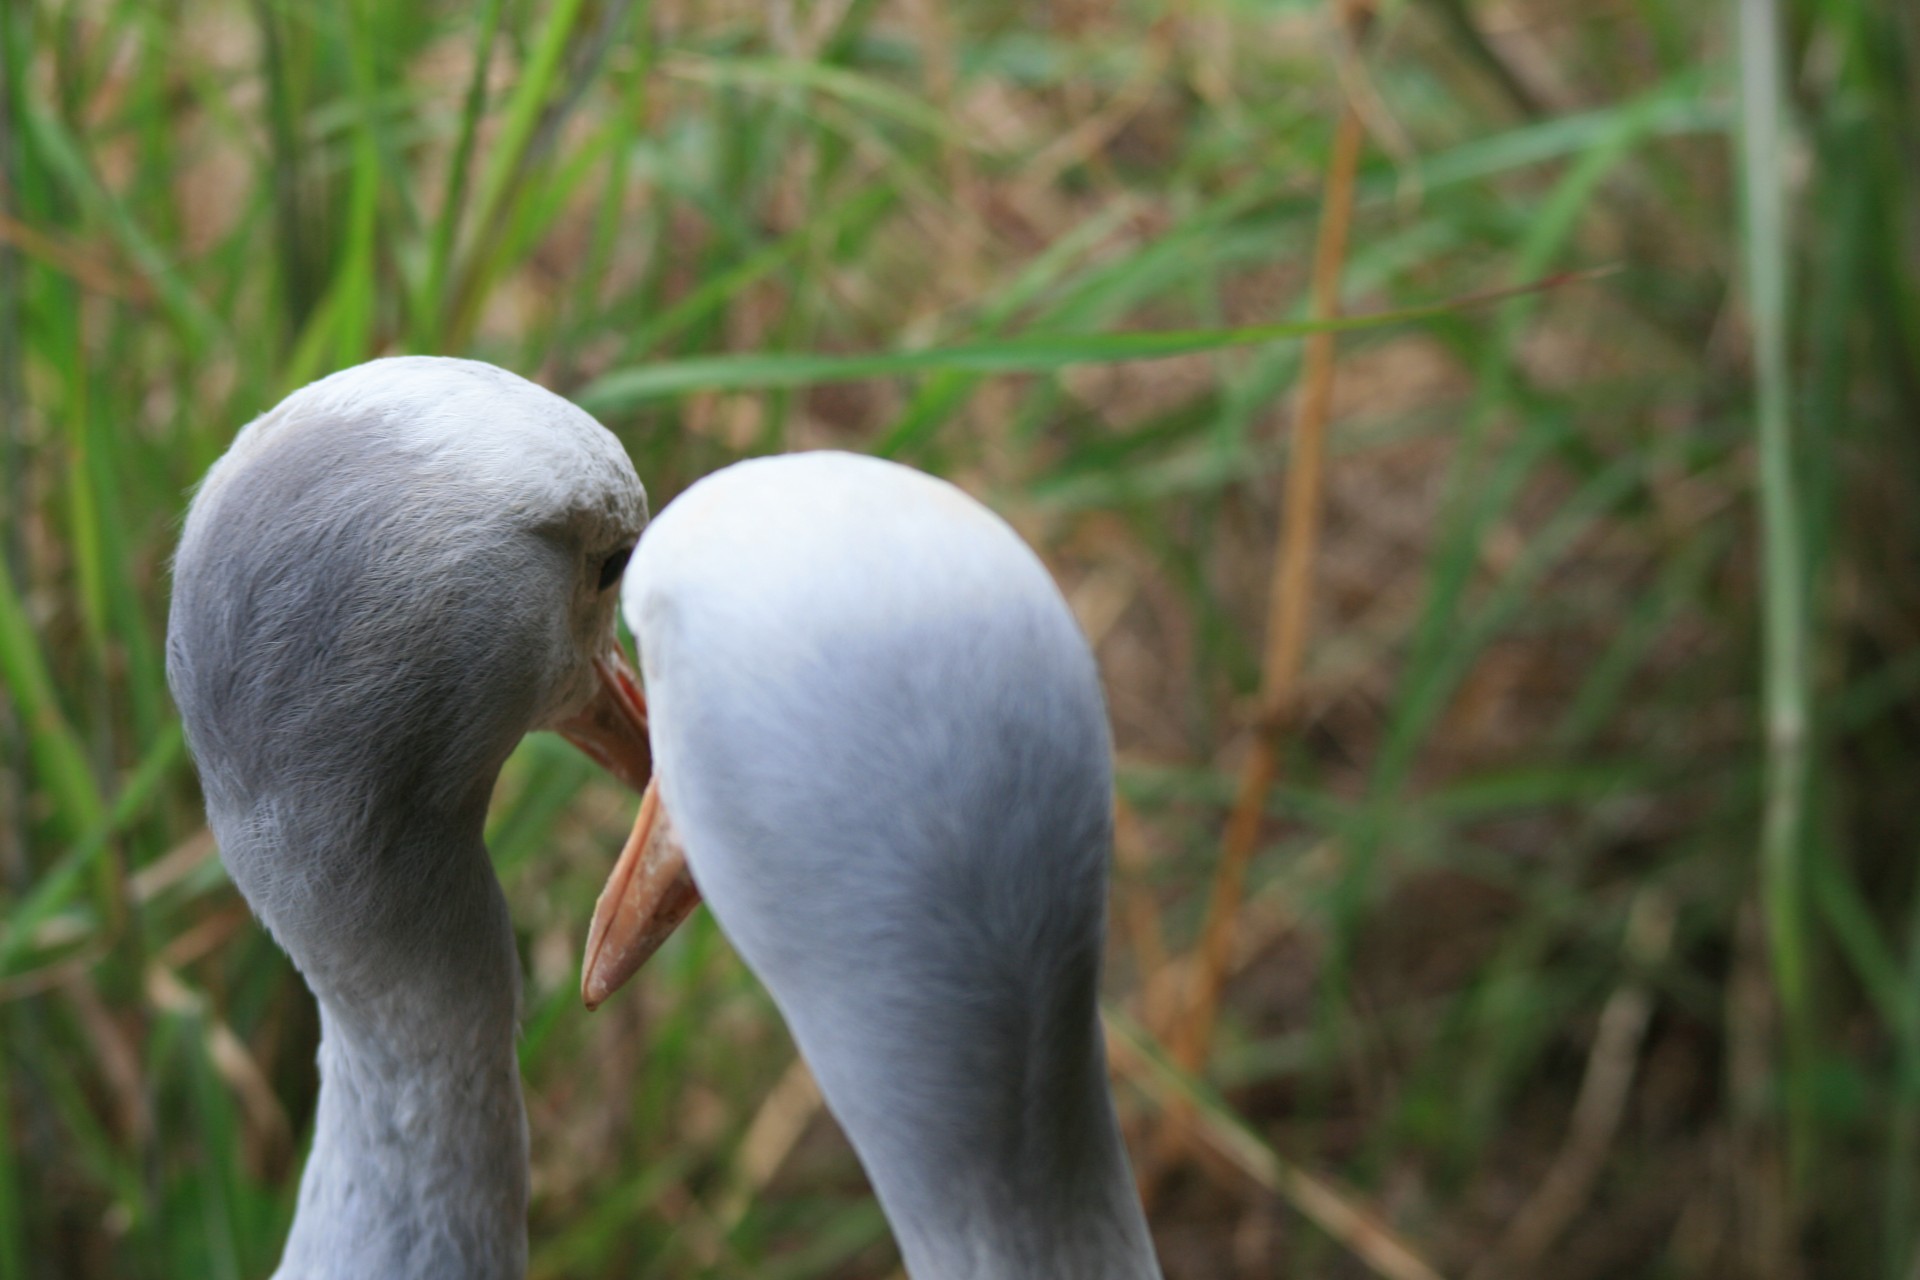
pixel 613 566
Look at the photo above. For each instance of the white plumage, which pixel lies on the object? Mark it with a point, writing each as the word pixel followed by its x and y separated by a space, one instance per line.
pixel 880 740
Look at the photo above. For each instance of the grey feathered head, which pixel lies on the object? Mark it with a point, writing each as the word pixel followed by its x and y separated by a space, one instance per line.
pixel 389 578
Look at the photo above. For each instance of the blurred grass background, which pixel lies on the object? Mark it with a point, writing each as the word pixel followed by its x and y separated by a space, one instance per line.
pixel 1577 932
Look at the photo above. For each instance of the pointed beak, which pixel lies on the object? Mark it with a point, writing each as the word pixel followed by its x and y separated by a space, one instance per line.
pixel 649 893
pixel 612 728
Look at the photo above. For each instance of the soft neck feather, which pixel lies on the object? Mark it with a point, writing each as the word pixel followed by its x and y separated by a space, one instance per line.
pixel 379 589
pixel 419 1160
pixel 880 736
pixel 997 1159
pixel 946 1002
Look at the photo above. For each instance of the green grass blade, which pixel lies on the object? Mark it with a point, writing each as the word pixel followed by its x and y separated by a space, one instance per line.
pixel 57 748
pixel 62 880
pixel 13 1217
pixel 1786 689
pixel 504 177
pixel 432 308
pixel 873 98
pixel 64 156
pixel 1029 353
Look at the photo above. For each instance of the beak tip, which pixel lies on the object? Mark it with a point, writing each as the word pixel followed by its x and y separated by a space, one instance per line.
pixel 648 894
pixel 594 984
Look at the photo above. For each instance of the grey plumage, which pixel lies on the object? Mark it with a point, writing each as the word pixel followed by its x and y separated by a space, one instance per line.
pixel 881 739
pixel 388 580
pixel 879 731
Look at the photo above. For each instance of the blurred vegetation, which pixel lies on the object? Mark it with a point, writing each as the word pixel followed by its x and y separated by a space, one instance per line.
pixel 1580 933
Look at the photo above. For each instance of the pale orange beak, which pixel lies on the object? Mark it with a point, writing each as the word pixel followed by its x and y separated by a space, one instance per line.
pixel 612 728
pixel 650 891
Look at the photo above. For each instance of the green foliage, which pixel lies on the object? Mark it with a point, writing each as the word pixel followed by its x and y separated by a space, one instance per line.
pixel 1615 602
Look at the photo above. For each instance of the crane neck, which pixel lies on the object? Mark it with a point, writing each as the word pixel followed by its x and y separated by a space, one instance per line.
pixel 995 1159
pixel 419 1158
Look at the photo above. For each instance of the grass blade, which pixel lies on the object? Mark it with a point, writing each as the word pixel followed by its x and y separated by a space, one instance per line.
pixel 57 749
pixel 1786 691
pixel 1029 353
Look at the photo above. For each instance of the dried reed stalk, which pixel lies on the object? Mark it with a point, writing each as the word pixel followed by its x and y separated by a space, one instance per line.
pixel 1567 1187
pixel 1343 1213
pixel 1289 606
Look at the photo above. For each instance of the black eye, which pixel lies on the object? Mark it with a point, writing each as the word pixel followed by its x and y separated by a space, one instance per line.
pixel 613 566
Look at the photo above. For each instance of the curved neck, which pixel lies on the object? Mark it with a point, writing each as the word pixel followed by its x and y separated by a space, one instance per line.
pixel 1055 1200
pixel 995 1152
pixel 419 1159
pixel 419 1162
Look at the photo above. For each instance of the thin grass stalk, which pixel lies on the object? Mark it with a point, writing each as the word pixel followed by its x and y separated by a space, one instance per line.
pixel 1902 1241
pixel 434 303
pixel 69 167
pixel 586 303
pixel 300 293
pixel 13 1261
pixel 504 178
pixel 354 287
pixel 1291 600
pixel 1458 21
pixel 57 749
pixel 1344 1214
pixel 12 443
pixel 85 519
pixel 1619 1040
pixel 14 869
pixel 621 390
pixel 1289 606
pixel 1786 692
